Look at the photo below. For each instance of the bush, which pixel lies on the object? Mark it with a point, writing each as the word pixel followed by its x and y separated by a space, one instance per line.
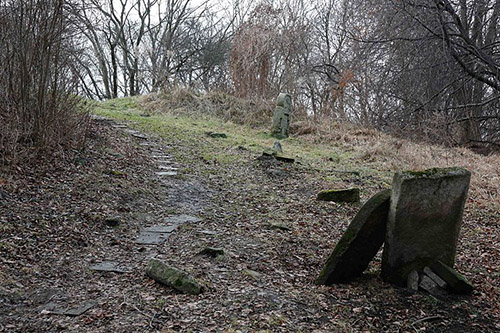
pixel 39 110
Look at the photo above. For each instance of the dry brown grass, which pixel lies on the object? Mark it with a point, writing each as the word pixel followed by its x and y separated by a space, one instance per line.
pixel 183 101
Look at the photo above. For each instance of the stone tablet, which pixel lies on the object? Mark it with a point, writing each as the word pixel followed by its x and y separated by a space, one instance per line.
pixel 360 243
pixel 424 220
pixel 281 116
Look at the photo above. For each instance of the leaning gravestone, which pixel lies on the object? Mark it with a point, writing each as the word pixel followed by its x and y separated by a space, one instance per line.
pixel 424 220
pixel 281 118
pixel 360 243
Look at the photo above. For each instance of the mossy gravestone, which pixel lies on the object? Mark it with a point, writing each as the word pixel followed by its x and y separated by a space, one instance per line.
pixel 424 220
pixel 360 243
pixel 281 117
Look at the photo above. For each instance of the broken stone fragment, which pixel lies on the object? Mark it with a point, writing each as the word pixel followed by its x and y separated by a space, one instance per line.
pixel 440 282
pixel 173 277
pixel 253 274
pixel 216 135
pixel 344 195
pixel 212 252
pixel 360 243
pixel 457 284
pixel 412 281
pixel 424 220
pixel 112 221
pixel 430 286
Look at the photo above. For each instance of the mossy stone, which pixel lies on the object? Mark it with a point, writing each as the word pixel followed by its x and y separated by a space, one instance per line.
pixel 342 195
pixel 173 277
pixel 360 243
pixel 424 220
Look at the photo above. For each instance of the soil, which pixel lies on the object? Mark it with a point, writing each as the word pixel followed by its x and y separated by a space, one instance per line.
pixel 53 228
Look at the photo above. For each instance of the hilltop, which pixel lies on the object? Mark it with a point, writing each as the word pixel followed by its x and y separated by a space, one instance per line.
pixel 275 235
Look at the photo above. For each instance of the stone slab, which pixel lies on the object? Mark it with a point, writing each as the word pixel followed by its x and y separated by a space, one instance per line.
pixel 161 156
pixel 166 173
pixel 52 308
pixel 181 219
pixel 161 228
pixel 167 167
pixel 340 195
pixel 427 284
pixel 109 266
pixel 457 284
pixel 440 282
pixel 424 220
pixel 412 281
pixel 360 243
pixel 151 238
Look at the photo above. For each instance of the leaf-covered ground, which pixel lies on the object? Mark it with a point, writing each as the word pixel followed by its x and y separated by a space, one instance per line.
pixel 52 224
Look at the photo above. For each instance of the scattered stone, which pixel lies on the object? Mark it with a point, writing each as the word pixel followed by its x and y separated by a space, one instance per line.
pixel 430 286
pixel 424 220
pixel 440 282
pixel 52 308
pixel 173 277
pixel 360 243
pixel 412 281
pixel 281 117
pixel 216 135
pixel 276 172
pixel 119 126
pixel 207 232
pixel 140 136
pixel 161 228
pixel 253 274
pixel 112 221
pixel 181 219
pixel 166 173
pixel 168 167
pixel 343 195
pixel 109 266
pixel 277 149
pixel 284 159
pixel 457 284
pixel 278 226
pixel 212 252
pixel 151 238
pixel 161 156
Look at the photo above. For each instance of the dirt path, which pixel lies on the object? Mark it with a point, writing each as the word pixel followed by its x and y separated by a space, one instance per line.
pixel 54 227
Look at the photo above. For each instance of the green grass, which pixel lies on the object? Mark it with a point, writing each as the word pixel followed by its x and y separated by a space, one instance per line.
pixel 181 129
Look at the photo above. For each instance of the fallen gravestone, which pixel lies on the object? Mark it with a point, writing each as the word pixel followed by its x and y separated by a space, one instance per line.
pixel 424 221
pixel 281 117
pixel 166 173
pixel 344 195
pixel 173 277
pixel 157 234
pixel 360 243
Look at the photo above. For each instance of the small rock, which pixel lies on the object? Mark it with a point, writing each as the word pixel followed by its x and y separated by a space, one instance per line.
pixel 344 195
pixel 430 286
pixel 253 274
pixel 440 282
pixel 216 135
pixel 212 252
pixel 52 308
pixel 112 221
pixel 412 281
pixel 207 232
pixel 277 148
pixel 166 173
pixel 456 283
pixel 285 159
pixel 109 266
pixel 173 277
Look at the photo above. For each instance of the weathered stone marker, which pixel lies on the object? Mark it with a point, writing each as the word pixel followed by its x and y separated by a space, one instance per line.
pixel 281 118
pixel 173 277
pixel 424 220
pixel 360 243
pixel 343 195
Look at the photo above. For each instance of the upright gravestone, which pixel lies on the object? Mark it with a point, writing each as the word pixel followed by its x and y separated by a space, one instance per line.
pixel 281 118
pixel 424 221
